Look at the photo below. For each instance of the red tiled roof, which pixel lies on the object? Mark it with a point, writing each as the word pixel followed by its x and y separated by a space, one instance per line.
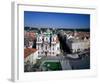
pixel 29 51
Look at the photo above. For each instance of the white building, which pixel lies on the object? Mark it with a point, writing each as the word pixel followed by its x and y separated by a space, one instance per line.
pixel 47 44
pixel 79 45
pixel 30 54
pixel 75 44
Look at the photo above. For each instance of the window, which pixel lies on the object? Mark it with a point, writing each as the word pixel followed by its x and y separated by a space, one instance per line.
pixel 46 39
pixel 38 52
pixel 46 47
pixel 57 48
pixel 38 46
pixel 41 52
pixel 53 48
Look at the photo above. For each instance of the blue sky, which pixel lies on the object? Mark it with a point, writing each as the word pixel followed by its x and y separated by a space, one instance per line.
pixel 56 20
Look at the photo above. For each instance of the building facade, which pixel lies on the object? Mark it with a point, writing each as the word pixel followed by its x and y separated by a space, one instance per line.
pixel 47 44
pixel 77 46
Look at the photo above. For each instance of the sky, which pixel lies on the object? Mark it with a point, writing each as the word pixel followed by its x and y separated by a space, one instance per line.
pixel 56 20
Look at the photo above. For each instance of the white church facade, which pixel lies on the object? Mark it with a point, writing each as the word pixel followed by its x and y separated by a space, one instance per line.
pixel 47 44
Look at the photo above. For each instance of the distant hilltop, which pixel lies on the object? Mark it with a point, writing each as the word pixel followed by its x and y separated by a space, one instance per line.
pixel 65 29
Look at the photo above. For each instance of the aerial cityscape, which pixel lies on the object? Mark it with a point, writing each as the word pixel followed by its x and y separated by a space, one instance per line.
pixel 56 41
